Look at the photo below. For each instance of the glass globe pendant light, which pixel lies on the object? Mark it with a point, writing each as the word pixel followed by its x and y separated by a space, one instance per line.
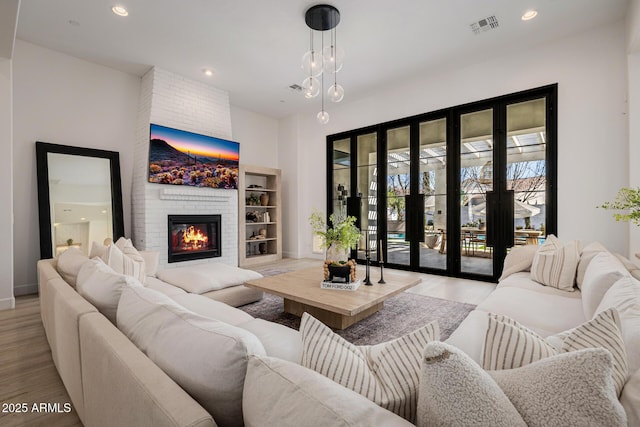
pixel 336 93
pixel 310 87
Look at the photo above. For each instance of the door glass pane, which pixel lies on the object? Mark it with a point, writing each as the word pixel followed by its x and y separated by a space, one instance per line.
pixel 398 168
pixel 366 189
pixel 433 185
pixel 526 169
pixel 341 174
pixel 476 178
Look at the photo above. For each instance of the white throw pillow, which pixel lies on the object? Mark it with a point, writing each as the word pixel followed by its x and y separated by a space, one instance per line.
pixel 569 389
pixel 102 286
pixel 554 264
pixel 604 270
pixel 509 344
pixel 137 266
pixel 624 296
pixel 386 373
pixel 124 264
pixel 519 258
pixel 587 254
pixel 98 250
pixel 276 390
pixel 69 263
pixel 211 276
pixel 206 357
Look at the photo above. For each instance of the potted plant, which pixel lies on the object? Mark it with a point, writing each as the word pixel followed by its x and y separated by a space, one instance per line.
pixel 339 238
pixel 627 199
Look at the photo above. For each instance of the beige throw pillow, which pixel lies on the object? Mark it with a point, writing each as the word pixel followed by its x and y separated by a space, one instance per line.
pixel 569 389
pixel 555 263
pixel 387 373
pixel 69 263
pixel 604 270
pixel 587 254
pixel 510 345
pixel 125 259
pixel 520 258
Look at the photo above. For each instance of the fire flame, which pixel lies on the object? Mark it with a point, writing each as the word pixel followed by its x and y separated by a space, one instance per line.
pixel 193 237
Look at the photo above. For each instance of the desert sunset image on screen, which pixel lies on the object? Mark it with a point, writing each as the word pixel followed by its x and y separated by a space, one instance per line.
pixel 179 157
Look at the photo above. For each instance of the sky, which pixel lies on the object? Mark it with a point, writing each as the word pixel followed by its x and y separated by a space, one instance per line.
pixel 200 145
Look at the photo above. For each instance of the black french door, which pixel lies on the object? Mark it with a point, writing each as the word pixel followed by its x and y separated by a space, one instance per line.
pixel 450 192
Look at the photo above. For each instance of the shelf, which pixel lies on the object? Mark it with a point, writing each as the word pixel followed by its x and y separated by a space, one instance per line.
pixel 264 190
pixel 260 206
pixel 260 223
pixel 261 240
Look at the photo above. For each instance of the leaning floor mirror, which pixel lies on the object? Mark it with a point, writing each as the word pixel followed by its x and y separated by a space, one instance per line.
pixel 79 197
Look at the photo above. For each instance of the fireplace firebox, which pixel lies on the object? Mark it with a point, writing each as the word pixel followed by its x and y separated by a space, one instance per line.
pixel 193 237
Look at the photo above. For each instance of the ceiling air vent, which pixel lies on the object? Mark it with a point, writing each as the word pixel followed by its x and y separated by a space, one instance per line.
pixel 486 24
pixel 296 88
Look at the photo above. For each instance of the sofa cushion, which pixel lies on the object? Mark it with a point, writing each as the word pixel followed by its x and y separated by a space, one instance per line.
pixel 211 276
pixel 97 250
pixel 278 340
pixel 630 399
pixel 212 309
pixel 101 286
pixel 555 263
pixel 162 287
pixel 69 263
pixel 542 312
pixel 455 391
pixel 587 254
pixel 624 295
pixel 129 263
pixel 151 261
pixel 386 373
pixel 510 345
pixel 284 394
pixel 564 390
pixel 603 271
pixel 633 269
pixel 206 357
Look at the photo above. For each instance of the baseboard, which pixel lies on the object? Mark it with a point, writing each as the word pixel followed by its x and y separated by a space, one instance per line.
pixel 26 289
pixel 287 254
pixel 7 303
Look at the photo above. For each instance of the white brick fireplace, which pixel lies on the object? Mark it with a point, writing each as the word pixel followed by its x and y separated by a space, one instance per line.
pixel 171 100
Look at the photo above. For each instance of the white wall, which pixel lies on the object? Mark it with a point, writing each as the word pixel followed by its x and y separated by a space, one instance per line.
pixel 64 100
pixel 590 71
pixel 6 186
pixel 257 135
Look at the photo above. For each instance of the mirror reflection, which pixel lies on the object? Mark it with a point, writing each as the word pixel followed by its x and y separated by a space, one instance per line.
pixel 80 201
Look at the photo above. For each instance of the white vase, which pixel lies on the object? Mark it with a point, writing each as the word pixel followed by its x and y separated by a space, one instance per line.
pixel 337 253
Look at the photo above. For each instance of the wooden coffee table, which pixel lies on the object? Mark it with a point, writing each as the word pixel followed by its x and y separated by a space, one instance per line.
pixel 335 308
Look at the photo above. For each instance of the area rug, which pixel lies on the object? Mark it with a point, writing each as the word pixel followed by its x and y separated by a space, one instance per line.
pixel 400 315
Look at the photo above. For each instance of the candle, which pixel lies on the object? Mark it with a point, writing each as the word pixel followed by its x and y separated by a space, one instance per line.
pixel 381 260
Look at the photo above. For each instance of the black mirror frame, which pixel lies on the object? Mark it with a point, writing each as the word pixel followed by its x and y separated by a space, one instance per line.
pixel 42 149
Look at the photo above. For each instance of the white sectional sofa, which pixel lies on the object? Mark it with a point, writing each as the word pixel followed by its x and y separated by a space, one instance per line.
pixel 112 381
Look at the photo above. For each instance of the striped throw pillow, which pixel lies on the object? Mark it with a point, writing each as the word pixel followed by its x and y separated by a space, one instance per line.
pixel 509 345
pixel 125 259
pixel 555 264
pixel 386 373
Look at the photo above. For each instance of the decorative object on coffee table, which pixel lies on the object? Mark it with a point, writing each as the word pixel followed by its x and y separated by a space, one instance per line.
pixel 342 236
pixel 345 270
pixel 381 261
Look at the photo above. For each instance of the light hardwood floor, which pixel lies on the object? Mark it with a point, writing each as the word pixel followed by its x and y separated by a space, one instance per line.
pixel 28 375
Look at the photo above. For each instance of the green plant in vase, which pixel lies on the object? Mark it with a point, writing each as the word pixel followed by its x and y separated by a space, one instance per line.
pixel 627 199
pixel 339 237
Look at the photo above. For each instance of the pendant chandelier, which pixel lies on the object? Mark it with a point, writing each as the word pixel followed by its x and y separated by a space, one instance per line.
pixel 326 61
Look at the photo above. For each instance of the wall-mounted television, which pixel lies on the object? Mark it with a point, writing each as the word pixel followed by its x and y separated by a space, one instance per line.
pixel 178 157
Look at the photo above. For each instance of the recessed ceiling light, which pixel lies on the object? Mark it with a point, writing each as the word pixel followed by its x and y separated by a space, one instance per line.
pixel 120 10
pixel 208 72
pixel 82 219
pixel 529 14
pixel 104 211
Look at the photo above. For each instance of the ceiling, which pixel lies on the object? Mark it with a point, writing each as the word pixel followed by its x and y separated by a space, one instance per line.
pixel 255 46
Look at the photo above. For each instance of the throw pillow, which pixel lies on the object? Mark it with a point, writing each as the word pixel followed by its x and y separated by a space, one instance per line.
pixel 101 286
pixel 134 263
pixel 624 295
pixel 455 391
pixel 98 250
pixel 520 258
pixel 633 269
pixel 604 270
pixel 206 357
pixel 275 389
pixel 386 373
pixel 569 389
pixel 69 263
pixel 555 264
pixel 587 254
pixel 510 345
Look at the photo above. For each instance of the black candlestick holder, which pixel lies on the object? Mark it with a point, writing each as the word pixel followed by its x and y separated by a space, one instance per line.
pixel 367 279
pixel 381 281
